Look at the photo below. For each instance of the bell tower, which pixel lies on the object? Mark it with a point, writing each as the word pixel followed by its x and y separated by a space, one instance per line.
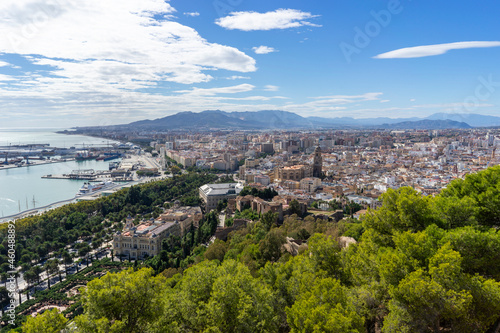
pixel 317 163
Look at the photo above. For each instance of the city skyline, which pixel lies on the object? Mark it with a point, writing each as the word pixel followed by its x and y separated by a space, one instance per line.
pixel 67 63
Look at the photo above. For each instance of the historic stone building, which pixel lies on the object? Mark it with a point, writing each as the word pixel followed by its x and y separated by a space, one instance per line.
pixel 144 239
pixel 317 163
pixel 294 172
pixel 301 171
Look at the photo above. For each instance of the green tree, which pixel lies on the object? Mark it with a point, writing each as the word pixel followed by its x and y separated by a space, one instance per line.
pixel 127 301
pixel 51 321
pixel 213 298
pixel 443 298
pixel 269 219
pixel 216 251
pixel 52 267
pixel 325 254
pixel 175 169
pixel 484 189
pixel 326 308
pixel 4 294
pixel 270 246
pixel 402 210
pixel 479 250
pixel 295 208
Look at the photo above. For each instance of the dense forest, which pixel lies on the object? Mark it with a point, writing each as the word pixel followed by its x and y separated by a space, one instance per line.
pixel 420 264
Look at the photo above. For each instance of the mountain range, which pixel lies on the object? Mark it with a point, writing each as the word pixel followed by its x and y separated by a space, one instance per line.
pixel 273 119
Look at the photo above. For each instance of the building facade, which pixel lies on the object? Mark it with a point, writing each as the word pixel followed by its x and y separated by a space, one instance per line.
pixel 211 194
pixel 144 239
pixel 294 172
pixel 310 184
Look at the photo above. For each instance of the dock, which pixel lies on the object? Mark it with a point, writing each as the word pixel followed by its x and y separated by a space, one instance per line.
pixel 34 163
pixel 87 174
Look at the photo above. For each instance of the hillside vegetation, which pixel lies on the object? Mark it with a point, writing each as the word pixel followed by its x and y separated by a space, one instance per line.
pixel 421 264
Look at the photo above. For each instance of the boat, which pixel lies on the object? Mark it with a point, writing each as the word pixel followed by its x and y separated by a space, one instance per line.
pixel 113 165
pixel 111 157
pixel 89 188
pixel 83 156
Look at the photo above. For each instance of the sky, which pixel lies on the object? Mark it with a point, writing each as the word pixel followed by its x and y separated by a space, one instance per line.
pixel 67 63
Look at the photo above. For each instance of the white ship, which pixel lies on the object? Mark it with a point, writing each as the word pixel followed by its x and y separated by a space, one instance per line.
pixel 89 188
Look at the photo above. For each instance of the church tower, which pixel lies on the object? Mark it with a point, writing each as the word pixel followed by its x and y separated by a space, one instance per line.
pixel 317 163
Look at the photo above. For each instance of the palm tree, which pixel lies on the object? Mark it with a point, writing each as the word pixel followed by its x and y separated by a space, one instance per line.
pixel 37 270
pixel 67 260
pixel 30 276
pixel 51 267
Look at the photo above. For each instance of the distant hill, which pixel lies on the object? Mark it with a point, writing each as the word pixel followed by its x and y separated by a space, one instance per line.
pixel 186 120
pixel 226 120
pixel 475 120
pixel 276 119
pixel 426 124
pixel 352 122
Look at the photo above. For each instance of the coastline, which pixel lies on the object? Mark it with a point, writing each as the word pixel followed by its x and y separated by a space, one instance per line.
pixel 43 209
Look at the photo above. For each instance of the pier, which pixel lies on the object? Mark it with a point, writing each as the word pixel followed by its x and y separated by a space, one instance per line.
pixel 34 163
pixel 87 174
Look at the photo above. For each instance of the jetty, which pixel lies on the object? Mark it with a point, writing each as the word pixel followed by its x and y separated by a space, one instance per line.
pixel 86 174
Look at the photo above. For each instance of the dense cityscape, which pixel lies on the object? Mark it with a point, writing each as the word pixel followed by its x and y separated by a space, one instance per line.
pixel 230 166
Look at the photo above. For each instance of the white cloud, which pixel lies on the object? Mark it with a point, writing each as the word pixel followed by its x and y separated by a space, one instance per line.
pixel 432 50
pixel 237 77
pixel 192 14
pixel 220 90
pixel 326 104
pixel 345 99
pixel 4 77
pixel 278 19
pixel 271 88
pixel 263 49
pixel 4 64
pixel 97 55
pixel 113 41
pixel 384 101
pixel 253 98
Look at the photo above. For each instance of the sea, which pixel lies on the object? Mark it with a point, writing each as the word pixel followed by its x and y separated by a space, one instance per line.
pixel 24 188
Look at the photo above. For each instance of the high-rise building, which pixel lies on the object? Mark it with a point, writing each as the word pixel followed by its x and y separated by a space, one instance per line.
pixel 317 163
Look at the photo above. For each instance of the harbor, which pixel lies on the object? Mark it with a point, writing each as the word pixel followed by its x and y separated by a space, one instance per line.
pixel 35 154
pixel 33 180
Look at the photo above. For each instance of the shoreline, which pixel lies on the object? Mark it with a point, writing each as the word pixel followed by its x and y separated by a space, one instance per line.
pixel 43 209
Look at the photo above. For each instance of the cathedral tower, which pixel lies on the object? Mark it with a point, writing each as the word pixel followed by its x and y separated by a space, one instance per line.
pixel 317 163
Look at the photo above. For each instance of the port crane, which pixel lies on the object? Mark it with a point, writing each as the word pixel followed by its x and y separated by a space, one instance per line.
pixel 7 156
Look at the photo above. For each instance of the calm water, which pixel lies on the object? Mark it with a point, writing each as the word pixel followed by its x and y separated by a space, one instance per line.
pixel 28 136
pixel 19 186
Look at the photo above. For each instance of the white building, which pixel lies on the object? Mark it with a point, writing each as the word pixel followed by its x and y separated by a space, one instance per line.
pixel 211 194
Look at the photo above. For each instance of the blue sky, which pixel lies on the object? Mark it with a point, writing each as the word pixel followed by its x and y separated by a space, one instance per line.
pixel 94 62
